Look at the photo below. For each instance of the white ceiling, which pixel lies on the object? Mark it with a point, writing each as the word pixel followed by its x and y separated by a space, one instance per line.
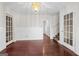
pixel 26 7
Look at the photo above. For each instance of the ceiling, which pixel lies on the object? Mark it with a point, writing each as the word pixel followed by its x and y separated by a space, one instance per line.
pixel 26 7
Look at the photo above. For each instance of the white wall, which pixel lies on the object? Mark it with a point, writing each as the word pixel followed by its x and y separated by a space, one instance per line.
pixel 72 7
pixel 54 25
pixel 2 27
pixel 76 30
pixel 30 26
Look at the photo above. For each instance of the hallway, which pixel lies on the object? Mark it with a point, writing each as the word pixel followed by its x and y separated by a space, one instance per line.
pixel 39 28
pixel 37 48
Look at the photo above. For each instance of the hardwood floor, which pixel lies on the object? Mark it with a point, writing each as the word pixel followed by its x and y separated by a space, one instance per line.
pixel 44 47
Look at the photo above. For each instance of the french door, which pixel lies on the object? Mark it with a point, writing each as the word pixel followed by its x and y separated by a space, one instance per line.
pixel 68 28
pixel 9 31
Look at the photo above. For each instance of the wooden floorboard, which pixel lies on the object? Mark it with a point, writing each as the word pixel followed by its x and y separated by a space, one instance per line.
pixel 45 47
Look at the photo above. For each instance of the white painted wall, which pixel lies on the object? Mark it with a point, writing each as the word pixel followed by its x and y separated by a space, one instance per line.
pixel 54 25
pixel 72 7
pixel 30 27
pixel 2 27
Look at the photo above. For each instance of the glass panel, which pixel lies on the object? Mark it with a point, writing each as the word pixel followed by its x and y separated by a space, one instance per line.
pixel 8 28
pixel 68 28
pixel 71 41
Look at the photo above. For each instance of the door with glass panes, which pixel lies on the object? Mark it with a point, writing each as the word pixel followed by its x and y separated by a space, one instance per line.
pixel 68 28
pixel 9 34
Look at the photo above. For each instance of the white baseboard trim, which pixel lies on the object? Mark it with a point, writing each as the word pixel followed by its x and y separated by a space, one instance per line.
pixel 7 44
pixel 66 45
pixel 10 42
pixel 28 39
pixel 2 49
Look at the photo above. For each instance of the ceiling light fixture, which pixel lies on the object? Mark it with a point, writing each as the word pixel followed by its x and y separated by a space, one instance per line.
pixel 36 6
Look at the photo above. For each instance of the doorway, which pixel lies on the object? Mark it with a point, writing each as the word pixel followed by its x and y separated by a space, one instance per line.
pixel 9 29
